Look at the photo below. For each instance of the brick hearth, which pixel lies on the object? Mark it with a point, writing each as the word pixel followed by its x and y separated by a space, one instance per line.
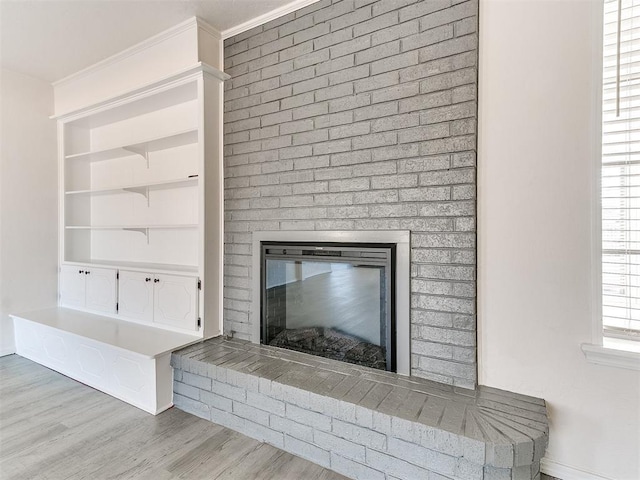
pixel 359 422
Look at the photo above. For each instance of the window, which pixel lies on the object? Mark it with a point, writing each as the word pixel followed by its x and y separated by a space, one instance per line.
pixel 617 332
pixel 620 181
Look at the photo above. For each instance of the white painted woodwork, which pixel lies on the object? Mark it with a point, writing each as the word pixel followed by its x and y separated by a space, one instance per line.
pixel 72 286
pixel 211 241
pixel 124 359
pixel 135 295
pixel 88 288
pixel 139 267
pixel 165 300
pixel 140 155
pixel 258 20
pixel 145 340
pixel 140 188
pixel 157 58
pixel 100 289
pixel 175 301
pixel 152 145
pixel 131 179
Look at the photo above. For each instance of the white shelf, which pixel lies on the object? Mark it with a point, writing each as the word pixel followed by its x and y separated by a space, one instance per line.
pixel 136 266
pixel 130 227
pixel 141 148
pixel 139 188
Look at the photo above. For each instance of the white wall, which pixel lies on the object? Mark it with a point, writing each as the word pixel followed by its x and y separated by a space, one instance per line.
pixel 28 200
pixel 535 166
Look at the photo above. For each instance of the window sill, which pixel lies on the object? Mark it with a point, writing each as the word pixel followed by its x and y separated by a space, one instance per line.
pixel 614 353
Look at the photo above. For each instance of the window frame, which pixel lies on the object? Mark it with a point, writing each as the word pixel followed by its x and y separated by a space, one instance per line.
pixel 602 350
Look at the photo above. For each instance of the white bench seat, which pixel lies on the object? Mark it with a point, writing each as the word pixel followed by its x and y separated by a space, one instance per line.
pixel 126 360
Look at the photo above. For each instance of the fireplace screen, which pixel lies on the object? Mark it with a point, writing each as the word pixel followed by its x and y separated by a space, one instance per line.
pixel 331 300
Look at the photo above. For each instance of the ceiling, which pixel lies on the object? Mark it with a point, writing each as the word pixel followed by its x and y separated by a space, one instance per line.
pixel 51 39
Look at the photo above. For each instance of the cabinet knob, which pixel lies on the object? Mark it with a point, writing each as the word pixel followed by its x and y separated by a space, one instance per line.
pixel 80 271
pixel 87 272
pixel 147 279
pixel 156 280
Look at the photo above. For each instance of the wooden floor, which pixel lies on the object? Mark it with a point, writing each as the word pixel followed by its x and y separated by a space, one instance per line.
pixel 52 427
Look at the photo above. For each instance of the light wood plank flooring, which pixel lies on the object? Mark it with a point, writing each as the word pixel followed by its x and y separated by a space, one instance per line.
pixel 52 427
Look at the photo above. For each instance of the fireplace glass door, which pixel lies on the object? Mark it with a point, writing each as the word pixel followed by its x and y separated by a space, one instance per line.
pixel 330 300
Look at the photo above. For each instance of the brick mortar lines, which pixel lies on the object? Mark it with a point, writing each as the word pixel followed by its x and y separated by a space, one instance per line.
pixel 362 115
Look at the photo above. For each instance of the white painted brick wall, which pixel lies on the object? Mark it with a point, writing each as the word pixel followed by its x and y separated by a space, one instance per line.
pixel 362 115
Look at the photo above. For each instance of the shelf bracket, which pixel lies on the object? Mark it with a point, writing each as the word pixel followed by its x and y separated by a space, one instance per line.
pixel 143 151
pixel 142 230
pixel 144 191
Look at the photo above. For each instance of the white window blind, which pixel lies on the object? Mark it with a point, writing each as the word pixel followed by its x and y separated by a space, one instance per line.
pixel 621 168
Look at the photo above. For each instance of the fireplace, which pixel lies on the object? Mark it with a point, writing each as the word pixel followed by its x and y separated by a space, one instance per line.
pixel 396 357
pixel 334 300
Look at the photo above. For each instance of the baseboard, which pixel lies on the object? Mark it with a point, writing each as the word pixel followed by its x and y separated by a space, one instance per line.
pixel 563 472
pixel 7 351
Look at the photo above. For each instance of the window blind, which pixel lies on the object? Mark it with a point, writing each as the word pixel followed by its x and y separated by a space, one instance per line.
pixel 621 168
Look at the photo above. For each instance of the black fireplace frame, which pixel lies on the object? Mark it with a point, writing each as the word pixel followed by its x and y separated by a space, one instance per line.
pixel 374 254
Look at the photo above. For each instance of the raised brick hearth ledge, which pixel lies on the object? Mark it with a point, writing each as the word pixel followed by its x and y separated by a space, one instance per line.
pixel 360 422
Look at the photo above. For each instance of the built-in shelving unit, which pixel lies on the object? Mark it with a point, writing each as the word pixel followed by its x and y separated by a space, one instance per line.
pixel 136 168
pixel 140 156
pixel 136 173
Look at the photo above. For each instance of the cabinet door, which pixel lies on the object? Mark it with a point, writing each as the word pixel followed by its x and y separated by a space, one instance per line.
pixel 135 295
pixel 100 289
pixel 176 301
pixel 72 281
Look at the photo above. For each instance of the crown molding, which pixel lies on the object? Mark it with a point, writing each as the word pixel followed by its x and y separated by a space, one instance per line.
pixel 208 28
pixel 267 17
pixel 139 47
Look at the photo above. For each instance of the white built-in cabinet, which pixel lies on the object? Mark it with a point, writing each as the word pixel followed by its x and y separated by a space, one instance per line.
pixel 165 300
pixel 140 175
pixel 136 295
pixel 88 288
